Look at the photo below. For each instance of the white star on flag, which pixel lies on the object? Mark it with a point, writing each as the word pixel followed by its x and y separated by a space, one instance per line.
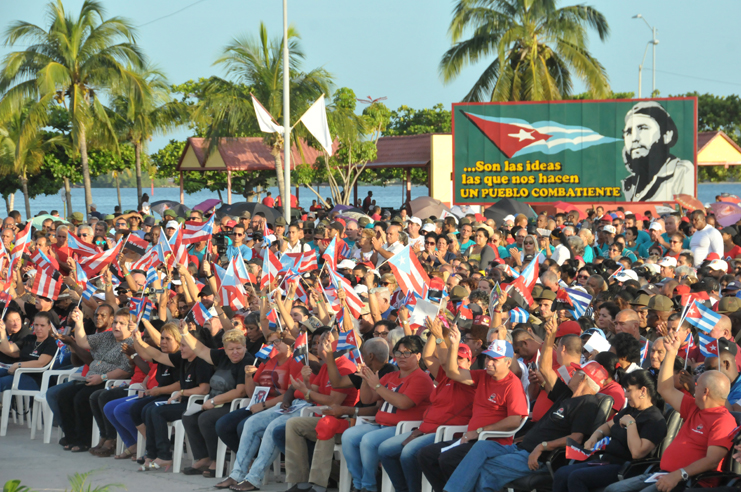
pixel 522 135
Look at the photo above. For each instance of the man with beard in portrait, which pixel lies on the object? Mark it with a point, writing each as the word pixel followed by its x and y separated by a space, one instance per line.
pixel 656 175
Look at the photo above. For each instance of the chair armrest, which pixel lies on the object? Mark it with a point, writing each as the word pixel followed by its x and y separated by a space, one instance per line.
pixel 115 383
pixel 448 432
pixel 236 403
pixel 637 467
pixel 196 398
pixel 556 460
pixel 54 372
pixel 407 425
pixel 693 481
pixel 309 411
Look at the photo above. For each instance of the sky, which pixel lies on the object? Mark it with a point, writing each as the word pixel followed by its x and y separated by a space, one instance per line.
pixel 392 48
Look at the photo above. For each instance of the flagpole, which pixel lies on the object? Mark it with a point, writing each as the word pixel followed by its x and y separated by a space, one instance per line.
pixel 286 120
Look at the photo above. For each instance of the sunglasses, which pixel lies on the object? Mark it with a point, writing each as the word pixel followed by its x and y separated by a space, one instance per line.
pixel 84 235
pixel 238 234
pixel 100 243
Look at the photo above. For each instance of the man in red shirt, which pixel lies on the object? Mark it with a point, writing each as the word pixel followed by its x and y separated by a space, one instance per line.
pixel 499 404
pixel 703 440
pixel 268 201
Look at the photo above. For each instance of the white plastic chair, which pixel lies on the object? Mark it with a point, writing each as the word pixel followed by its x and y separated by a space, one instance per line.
pixel 489 434
pixel 132 391
pixel 401 428
pixel 180 436
pixel 111 383
pixel 19 393
pixel 221 447
pixel 42 417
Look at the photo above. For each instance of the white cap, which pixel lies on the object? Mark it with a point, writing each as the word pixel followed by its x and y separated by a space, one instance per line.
pixel 429 228
pixel 653 268
pixel 92 205
pixel 145 207
pixel 509 218
pixel 361 289
pixel 718 265
pixel 668 261
pixel 609 229
pixel 346 264
pixel 655 226
pixel 416 220
pixel 171 225
pixel 626 275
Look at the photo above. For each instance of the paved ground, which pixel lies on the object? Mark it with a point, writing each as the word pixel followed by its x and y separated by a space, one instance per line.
pixel 46 467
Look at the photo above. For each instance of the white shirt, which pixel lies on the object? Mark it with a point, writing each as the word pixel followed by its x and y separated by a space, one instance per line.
pixel 392 248
pixel 706 241
pixel 418 239
pixel 560 254
pixel 299 248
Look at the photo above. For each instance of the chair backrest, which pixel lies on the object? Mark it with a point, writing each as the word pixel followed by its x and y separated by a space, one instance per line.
pixel 603 411
pixel 734 465
pixel 673 424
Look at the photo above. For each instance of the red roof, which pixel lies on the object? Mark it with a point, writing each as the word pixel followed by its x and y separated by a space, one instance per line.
pixel 246 154
pixel 403 151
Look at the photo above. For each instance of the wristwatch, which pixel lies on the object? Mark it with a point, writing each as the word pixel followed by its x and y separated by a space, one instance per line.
pixel 212 402
pixel 479 430
pixel 378 385
pixel 438 341
pixel 685 475
pixel 545 445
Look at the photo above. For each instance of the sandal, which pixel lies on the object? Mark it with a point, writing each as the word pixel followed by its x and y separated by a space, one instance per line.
pixel 243 486
pixel 189 470
pixel 105 452
pixel 226 483
pixel 80 449
pixel 154 466
pixel 127 453
pixel 209 473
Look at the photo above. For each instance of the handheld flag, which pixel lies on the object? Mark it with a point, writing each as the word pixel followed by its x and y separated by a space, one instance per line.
pixel 703 318
pixel 330 254
pixel 347 340
pixel 518 315
pixel 94 264
pixel 267 352
pixel 708 345
pixel 22 241
pixel 152 275
pixel 82 278
pixel 644 352
pixel 136 244
pixel 80 247
pixel 579 300
pixel 149 260
pixel 47 283
pixel 89 291
pixel 408 271
pixel 201 314
pixel 270 268
pixel 464 312
pixel 195 232
pixel 526 281
pixel 352 299
pixel 272 317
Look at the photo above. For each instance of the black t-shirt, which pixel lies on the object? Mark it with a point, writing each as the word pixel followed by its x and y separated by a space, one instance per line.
pixel 31 311
pixel 387 368
pixel 651 425
pixel 17 339
pixel 227 375
pixel 166 375
pixel 254 347
pixel 31 350
pixel 192 373
pixel 563 418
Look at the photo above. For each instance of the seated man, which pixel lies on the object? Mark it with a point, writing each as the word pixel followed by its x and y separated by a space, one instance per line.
pixel 490 465
pixel 703 440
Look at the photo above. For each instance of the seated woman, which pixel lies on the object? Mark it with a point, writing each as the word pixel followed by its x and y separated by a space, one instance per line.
pixel 227 384
pixel 194 375
pixel 401 395
pixel 613 388
pixel 34 350
pixel 125 414
pixel 634 432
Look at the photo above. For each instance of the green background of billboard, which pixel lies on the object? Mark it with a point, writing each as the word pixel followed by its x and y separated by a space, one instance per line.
pixel 597 166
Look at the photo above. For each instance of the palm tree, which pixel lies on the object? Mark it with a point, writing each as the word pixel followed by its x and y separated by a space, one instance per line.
pixel 138 119
pixel 25 143
pixel 258 64
pixel 537 46
pixel 74 59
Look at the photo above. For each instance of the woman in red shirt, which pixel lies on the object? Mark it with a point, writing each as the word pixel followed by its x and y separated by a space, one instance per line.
pixel 401 395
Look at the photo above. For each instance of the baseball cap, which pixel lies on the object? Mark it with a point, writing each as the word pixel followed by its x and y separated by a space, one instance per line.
pixel 171 225
pixel 593 331
pixel 77 216
pixel 729 305
pixel 718 265
pixel 465 352
pixel 640 300
pixel 568 328
pixel 149 221
pixel 245 215
pixel 509 217
pixel 729 230
pixel 346 264
pixel 606 218
pixel 727 345
pixel 668 261
pixel 735 285
pixel 546 294
pixel 712 256
pixel 594 371
pixel 365 309
pixel 416 220
pixel 499 349
pixel 206 291
pixel 660 303
pixel 429 228
pixel 609 229
pixel 655 227
pixel 457 293
pixel 626 275
pixel 231 223
pixel 653 268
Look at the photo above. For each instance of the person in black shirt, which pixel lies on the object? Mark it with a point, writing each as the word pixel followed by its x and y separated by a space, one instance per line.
pixel 32 351
pixel 634 432
pixel 250 325
pixel 194 375
pixel 15 331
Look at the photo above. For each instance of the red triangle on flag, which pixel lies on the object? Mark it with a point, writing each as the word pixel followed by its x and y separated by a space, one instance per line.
pixel 508 138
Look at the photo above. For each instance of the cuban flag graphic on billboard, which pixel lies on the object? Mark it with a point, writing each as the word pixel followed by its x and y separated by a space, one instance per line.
pixel 516 137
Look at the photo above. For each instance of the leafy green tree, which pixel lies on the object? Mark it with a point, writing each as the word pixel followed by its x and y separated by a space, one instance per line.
pixel 74 59
pixel 538 48
pixel 410 121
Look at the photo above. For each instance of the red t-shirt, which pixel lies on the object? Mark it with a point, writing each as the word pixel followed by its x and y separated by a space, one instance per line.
pixel 701 429
pixel 276 377
pixel 321 380
pixel 62 255
pixel 542 402
pixel 496 400
pixel 450 404
pixel 417 386
pixel 617 393
pixel 268 201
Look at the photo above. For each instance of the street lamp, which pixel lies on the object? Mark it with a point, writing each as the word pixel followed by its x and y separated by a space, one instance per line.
pixel 286 119
pixel 654 42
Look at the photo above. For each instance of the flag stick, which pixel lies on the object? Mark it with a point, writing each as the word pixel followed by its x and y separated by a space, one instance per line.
pixel 684 312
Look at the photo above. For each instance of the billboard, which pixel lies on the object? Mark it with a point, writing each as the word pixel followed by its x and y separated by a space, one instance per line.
pixel 575 151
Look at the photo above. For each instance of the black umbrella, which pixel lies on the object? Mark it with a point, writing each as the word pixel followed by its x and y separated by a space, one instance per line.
pixel 237 209
pixel 505 207
pixel 161 206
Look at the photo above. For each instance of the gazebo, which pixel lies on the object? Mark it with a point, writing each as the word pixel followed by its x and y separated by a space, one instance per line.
pixel 717 149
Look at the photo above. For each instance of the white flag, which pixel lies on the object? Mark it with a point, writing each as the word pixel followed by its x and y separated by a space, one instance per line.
pixel 315 120
pixel 264 119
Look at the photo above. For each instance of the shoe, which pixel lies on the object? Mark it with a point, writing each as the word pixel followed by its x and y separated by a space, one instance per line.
pixel 157 467
pixel 189 470
pixel 80 449
pixel 243 486
pixel 209 473
pixel 225 484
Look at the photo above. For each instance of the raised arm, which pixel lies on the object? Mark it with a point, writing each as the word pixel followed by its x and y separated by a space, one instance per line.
pixel 148 352
pixel 668 392
pixel 196 346
pixel 451 364
pixel 546 356
pixel 80 335
pixel 433 354
pixel 6 346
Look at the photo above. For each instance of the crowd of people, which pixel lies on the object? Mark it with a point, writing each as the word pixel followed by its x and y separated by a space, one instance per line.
pixel 550 335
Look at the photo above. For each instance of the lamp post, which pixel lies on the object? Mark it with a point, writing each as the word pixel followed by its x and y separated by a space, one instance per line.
pixel 640 70
pixel 654 42
pixel 286 120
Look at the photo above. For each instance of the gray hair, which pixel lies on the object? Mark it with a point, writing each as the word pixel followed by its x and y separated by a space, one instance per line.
pixel 85 228
pixel 394 336
pixel 577 245
pixel 378 347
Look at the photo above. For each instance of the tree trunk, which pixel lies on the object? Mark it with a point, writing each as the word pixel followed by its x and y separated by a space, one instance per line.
pixel 11 202
pixel 279 174
pixel 85 171
pixel 138 161
pixel 68 196
pixel 24 188
pixel 118 189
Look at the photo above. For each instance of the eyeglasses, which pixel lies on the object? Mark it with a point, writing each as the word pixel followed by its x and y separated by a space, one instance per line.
pixel 403 355
pixel 84 235
pixel 585 277
pixel 383 334
pixel 430 243
pixel 120 224
pixel 100 243
pixel 238 234
pixel 528 242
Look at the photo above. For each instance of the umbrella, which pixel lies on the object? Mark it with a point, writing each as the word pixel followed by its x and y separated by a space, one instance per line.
pixel 161 206
pixel 37 221
pixel 354 215
pixel 566 207
pixel 426 206
pixel 689 202
pixel 727 214
pixel 237 209
pixel 727 197
pixel 346 208
pixel 505 207
pixel 208 205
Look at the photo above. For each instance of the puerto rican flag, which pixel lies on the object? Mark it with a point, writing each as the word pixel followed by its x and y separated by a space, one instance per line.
pixel 408 271
pixel 80 247
pixel 353 301
pixel 47 283
pixel 179 249
pixel 644 352
pixel 82 278
pixel 94 264
pixel 526 281
pixel 22 241
pixel 272 318
pixel 330 254
pixel 201 314
pixel 230 287
pixel 136 244
pixel 195 232
pixel 271 266
pixel 266 352
pixel 149 260
pixel 703 318
pixel 347 340
pixel 708 345
pixel 332 300
pixel 43 261
pixel 298 262
pixel 241 271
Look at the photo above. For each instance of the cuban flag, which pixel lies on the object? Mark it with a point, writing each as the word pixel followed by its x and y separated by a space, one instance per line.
pixel 80 247
pixel 644 352
pixel 272 317
pixel 152 275
pixel 353 355
pixel 517 137
pixel 511 272
pixel 147 311
pixel 526 281
pixel 408 271
pixel 352 300
pixel 266 352
pixel 89 291
pixel 201 314
pixel 708 345
pixel 195 232
pixel 330 254
pixel 347 340
pixel 703 318
pixel 518 315
pixel 271 266
pixel 579 300
pixel 344 250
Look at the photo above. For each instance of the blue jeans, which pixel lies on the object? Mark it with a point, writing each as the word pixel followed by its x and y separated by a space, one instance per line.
pixel 634 484
pixel 25 382
pixel 400 462
pixel 489 466
pixel 229 427
pixel 51 399
pixel 580 477
pixel 360 448
pixel 279 437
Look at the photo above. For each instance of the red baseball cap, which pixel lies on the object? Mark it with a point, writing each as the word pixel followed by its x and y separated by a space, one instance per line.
pixel 712 256
pixel 606 218
pixel 568 328
pixel 620 215
pixel 594 371
pixel 465 352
